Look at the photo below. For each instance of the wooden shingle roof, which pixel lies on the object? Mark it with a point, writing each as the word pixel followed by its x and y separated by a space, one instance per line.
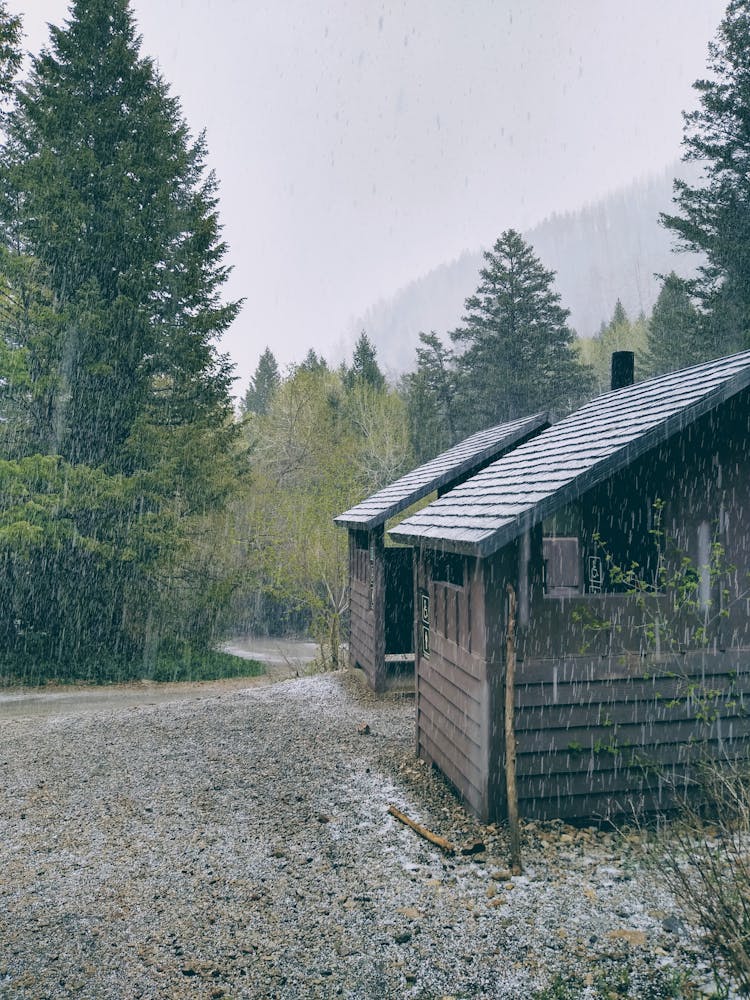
pixel 442 471
pixel 522 488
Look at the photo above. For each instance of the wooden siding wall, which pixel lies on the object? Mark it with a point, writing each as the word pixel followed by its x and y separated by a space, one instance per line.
pixel 366 609
pixel 453 691
pixel 600 738
pixel 603 724
pixel 703 477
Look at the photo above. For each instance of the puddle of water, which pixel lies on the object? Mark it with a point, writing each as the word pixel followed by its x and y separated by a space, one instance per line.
pixel 270 650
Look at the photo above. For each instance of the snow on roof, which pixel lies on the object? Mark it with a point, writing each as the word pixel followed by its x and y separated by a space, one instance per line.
pixel 523 487
pixel 447 468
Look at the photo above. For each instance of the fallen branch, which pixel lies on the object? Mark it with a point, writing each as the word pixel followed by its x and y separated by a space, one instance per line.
pixel 433 838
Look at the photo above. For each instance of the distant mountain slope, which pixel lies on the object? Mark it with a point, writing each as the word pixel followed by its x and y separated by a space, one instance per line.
pixel 609 250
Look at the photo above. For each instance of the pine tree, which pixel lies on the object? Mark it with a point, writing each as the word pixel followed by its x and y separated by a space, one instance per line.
pixel 619 316
pixel 620 334
pixel 108 192
pixel 365 369
pixel 263 384
pixel 713 216
pixel 430 394
pixel 518 349
pixel 313 362
pixel 10 52
pixel 112 270
pixel 674 337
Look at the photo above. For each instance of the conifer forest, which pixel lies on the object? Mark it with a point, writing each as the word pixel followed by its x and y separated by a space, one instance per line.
pixel 143 517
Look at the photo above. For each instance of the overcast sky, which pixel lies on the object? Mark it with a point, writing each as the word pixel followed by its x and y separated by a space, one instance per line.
pixel 359 144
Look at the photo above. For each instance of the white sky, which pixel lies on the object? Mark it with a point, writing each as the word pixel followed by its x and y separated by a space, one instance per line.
pixel 360 143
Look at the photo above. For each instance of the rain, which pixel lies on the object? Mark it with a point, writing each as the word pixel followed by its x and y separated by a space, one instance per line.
pixel 374 398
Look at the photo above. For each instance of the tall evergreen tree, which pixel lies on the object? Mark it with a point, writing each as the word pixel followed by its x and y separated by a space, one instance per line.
pixel 10 52
pixel 518 354
pixel 365 369
pixel 713 215
pixel 619 334
pixel 263 384
pixel 430 394
pixel 108 192
pixel 111 270
pixel 674 337
pixel 313 362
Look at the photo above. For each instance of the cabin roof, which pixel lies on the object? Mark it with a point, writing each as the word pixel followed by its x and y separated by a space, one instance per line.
pixel 444 470
pixel 607 434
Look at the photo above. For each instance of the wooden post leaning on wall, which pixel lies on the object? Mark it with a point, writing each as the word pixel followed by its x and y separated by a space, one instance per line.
pixel 510 734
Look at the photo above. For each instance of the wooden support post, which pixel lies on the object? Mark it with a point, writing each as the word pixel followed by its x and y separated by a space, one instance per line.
pixel 510 734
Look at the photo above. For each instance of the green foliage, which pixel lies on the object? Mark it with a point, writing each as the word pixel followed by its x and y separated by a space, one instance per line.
pixel 179 662
pixel 702 856
pixel 313 362
pixel 620 334
pixel 263 384
pixel 105 189
pixel 320 449
pixel 713 215
pixel 10 52
pixel 117 421
pixel 674 617
pixel 97 569
pixel 675 337
pixel 517 347
pixel 364 369
pixel 618 978
pixel 430 394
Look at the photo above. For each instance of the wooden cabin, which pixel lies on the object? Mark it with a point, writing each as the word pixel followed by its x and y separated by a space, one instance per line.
pixel 381 586
pixel 624 532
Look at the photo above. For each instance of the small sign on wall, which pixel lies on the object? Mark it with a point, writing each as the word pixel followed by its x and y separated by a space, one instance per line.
pixel 596 575
pixel 424 624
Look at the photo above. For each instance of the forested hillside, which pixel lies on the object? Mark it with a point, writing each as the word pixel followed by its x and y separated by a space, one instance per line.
pixel 140 519
pixel 607 251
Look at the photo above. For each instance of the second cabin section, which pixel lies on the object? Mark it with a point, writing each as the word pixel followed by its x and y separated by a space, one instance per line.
pixel 381 575
pixel 623 533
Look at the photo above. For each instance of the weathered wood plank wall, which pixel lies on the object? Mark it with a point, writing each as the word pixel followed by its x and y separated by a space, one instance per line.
pixel 366 597
pixel 599 738
pixel 452 697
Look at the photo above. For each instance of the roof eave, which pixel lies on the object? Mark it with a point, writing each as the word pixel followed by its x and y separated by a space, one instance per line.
pixel 534 425
pixel 490 543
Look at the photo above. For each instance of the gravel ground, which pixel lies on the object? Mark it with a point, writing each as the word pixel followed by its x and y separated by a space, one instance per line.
pixel 240 846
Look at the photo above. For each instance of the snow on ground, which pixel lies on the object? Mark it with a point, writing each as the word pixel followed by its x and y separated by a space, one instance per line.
pixel 239 845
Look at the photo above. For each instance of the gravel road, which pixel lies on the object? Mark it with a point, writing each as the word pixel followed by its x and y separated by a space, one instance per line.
pixel 238 845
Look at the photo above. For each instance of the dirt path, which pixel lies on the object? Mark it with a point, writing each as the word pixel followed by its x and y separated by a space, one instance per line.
pixel 281 658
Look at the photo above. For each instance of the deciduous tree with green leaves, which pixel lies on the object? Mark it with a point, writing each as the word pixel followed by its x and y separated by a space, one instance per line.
pixel 321 448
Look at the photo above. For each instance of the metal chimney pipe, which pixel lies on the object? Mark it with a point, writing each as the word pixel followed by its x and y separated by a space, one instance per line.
pixel 623 369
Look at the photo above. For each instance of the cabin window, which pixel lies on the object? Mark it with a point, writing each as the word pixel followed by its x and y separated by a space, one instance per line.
pixel 363 562
pixel 451 612
pixel 449 568
pixel 562 566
